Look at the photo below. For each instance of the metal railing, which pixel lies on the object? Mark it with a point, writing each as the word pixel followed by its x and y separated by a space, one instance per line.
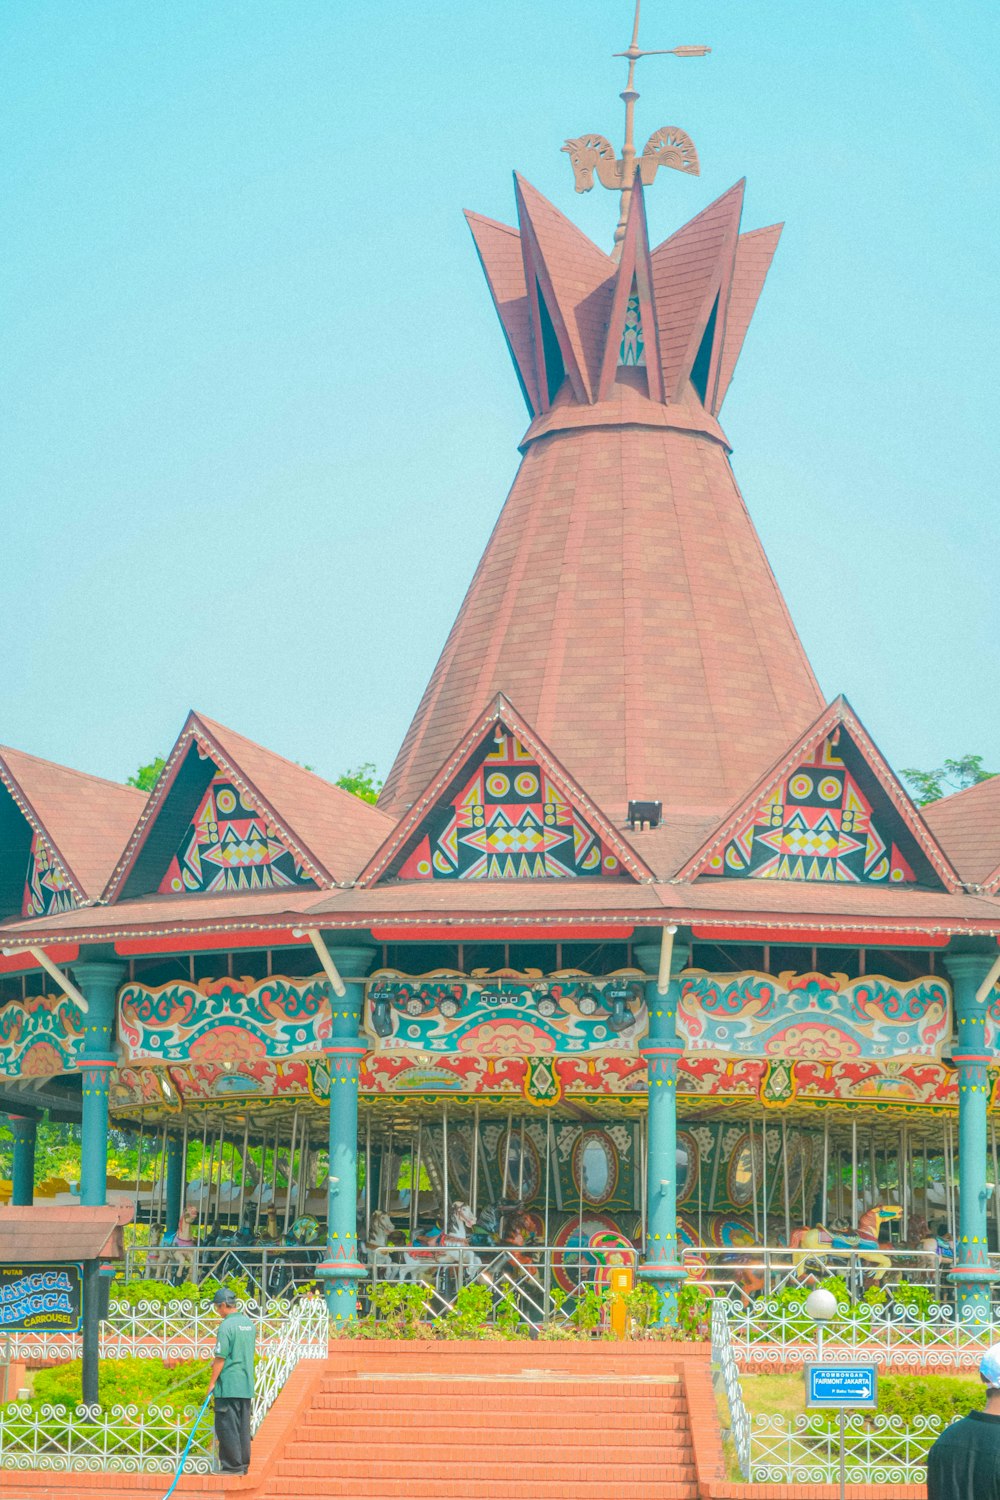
pixel 765 1270
pixel 537 1283
pixel 726 1373
pixel 919 1335
pixel 805 1448
pixel 134 1439
pixel 270 1271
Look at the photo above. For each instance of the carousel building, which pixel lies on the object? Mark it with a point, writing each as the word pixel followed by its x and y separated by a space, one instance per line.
pixel 643 936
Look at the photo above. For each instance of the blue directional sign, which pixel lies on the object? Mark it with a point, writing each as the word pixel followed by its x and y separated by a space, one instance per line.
pixel 842 1385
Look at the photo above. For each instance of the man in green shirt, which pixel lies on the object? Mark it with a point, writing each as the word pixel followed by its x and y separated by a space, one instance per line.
pixel 232 1383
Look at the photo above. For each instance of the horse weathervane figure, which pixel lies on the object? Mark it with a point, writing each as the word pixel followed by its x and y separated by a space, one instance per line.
pixel 669 147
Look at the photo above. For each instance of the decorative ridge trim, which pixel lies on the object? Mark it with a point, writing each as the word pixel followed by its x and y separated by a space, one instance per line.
pixel 25 807
pixel 502 711
pixel 838 714
pixel 196 732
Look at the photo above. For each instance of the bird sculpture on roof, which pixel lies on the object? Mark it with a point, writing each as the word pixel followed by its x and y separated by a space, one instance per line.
pixel 669 147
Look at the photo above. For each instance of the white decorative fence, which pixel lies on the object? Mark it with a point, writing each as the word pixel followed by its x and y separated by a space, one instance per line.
pixel 928 1336
pixel 131 1439
pixel 805 1449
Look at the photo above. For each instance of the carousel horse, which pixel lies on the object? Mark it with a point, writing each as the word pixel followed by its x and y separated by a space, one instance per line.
pixel 810 1247
pixel 375 1246
pixel 175 1256
pixel 444 1250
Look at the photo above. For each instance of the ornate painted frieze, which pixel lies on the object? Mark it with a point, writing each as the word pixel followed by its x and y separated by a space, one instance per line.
pixel 813 1016
pixel 817 824
pixel 39 1036
pixel 508 821
pixel 230 846
pixel 505 1014
pixel 47 889
pixel 225 1020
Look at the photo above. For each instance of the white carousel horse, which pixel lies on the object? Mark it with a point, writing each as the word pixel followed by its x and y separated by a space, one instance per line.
pixel 380 1226
pixel 450 1250
pixel 175 1254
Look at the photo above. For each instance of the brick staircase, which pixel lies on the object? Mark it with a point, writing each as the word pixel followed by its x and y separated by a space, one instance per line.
pixel 407 1421
pixel 534 1434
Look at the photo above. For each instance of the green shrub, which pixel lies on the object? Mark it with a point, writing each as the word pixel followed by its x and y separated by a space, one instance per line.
pixel 944 1396
pixel 126 1382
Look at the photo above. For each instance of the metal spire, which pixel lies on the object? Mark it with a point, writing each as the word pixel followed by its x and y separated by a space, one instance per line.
pixel 669 147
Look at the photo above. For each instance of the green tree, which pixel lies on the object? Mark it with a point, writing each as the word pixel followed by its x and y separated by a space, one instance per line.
pixel 953 776
pixel 146 777
pixel 363 782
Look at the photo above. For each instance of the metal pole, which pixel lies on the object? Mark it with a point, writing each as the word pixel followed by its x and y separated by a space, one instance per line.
pixel 291 1164
pixel 701 1228
pixel 368 1176
pixel 274 1177
pixel 520 1167
pixel 904 1183
pixel 824 1210
pixel 784 1173
pixel 506 1156
pixel 261 1182
pixel 763 1171
pixel 184 1166
pixel 843 1460
pixel 415 1178
pixel 753 1182
pixel 547 1263
pixel 582 1132
pixel 138 1169
pixel 444 1164
pixel 854 1173
pixel 474 1184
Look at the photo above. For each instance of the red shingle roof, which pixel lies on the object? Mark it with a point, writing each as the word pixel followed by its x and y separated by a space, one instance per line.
pixel 754 253
pixel 32 1236
pixel 624 602
pixel 967 825
pixel 85 819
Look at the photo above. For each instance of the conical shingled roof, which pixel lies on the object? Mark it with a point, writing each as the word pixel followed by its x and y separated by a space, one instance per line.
pixel 624 601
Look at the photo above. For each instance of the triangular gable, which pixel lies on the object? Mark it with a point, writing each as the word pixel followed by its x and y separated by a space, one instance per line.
pixel 830 810
pixel 693 270
pixel 60 832
pixel 503 808
pixel 34 880
pixel 207 827
pixel 576 281
pixel 754 254
pixel 499 247
pixel 632 322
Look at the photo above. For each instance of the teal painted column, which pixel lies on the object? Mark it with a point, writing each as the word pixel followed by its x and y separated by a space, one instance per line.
pixel 342 1268
pixel 98 981
pixel 971 1274
pixel 174 1185
pixel 22 1174
pixel 661 1051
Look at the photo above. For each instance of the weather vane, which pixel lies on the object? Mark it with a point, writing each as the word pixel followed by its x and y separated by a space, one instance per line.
pixel 669 147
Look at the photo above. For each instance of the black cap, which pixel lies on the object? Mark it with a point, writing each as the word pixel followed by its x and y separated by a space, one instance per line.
pixel 224 1298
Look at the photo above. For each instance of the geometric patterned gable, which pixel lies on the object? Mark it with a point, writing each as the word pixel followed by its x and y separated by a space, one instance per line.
pixel 507 821
pixel 229 846
pixel 817 824
pixel 46 888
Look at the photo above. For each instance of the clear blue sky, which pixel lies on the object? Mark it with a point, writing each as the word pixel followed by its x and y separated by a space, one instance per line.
pixel 256 416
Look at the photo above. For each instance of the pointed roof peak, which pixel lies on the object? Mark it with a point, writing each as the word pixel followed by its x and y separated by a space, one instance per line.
pixel 577 840
pixel 819 813
pixel 327 831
